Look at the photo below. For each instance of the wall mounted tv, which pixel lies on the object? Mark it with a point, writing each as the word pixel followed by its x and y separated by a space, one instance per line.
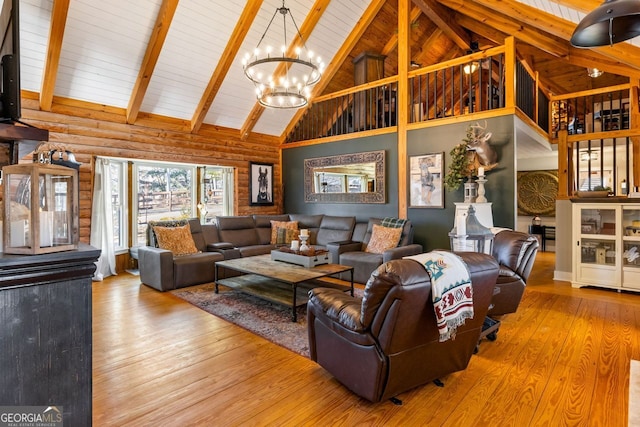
pixel 10 62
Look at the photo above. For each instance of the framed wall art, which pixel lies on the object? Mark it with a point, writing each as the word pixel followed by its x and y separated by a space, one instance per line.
pixel 261 184
pixel 425 181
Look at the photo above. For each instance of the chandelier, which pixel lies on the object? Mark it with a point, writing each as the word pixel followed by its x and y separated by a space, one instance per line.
pixel 283 78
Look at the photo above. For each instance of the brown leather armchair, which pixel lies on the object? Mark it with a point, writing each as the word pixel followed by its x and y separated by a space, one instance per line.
pixel 387 342
pixel 515 252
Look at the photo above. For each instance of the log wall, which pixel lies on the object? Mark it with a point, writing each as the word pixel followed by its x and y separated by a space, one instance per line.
pixel 88 131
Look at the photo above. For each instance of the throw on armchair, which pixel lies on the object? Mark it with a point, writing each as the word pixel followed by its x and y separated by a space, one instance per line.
pixel 388 341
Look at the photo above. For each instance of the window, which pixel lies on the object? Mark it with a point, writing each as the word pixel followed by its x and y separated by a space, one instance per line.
pixel 162 191
pixel 217 191
pixel 118 170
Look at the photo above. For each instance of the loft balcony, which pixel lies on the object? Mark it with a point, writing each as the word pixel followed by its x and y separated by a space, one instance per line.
pixel 486 84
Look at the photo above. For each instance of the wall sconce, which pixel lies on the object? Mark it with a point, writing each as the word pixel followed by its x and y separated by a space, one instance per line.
pixel 588 155
pixel 594 72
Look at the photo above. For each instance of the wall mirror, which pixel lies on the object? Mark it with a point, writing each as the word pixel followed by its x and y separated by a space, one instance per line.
pixel 346 178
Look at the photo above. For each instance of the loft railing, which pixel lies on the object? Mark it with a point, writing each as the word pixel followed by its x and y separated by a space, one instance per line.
pixel 474 83
pixel 469 84
pixel 598 140
pixel 598 110
pixel 366 107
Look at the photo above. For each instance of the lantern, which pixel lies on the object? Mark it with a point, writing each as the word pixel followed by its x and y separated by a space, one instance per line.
pixel 40 208
pixel 469 235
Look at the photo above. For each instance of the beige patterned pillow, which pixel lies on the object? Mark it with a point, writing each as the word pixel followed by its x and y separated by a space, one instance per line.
pixel 383 238
pixel 292 225
pixel 176 239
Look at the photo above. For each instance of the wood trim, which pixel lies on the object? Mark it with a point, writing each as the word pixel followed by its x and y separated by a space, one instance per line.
pixel 404 57
pixel 563 165
pixel 608 89
pixel 510 71
pixel 458 61
pixel 355 89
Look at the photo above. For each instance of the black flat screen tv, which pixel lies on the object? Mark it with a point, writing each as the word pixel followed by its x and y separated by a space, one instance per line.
pixel 10 110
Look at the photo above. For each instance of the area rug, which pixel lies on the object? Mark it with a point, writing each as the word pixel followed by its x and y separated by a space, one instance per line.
pixel 263 318
pixel 634 394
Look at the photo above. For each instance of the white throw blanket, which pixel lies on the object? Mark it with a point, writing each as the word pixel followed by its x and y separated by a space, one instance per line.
pixel 451 290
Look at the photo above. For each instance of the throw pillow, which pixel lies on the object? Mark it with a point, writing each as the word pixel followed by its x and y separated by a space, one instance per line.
pixel 383 238
pixel 176 239
pixel 286 235
pixel 292 225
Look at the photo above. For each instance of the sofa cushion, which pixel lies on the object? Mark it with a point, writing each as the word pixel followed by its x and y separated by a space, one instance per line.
pixel 285 225
pixel 383 238
pixel 238 230
pixel 175 239
pixel 196 234
pixel 309 222
pixel 335 229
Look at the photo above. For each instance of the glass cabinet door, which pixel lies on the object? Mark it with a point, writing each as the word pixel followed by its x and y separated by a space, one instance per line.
pixel 631 247
pixel 598 221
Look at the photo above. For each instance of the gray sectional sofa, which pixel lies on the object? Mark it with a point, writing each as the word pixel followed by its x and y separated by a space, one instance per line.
pixel 242 236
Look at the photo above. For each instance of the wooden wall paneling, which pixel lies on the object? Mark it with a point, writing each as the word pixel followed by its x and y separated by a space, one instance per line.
pixel 90 132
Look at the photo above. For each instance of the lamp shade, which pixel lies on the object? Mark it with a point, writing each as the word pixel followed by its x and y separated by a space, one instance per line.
pixel 614 21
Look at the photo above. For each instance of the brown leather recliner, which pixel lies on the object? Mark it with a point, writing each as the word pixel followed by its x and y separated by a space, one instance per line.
pixel 387 342
pixel 515 252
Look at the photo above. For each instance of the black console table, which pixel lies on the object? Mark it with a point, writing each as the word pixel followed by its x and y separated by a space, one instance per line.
pixel 45 338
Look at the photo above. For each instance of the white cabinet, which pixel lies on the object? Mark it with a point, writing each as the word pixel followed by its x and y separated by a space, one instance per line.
pixel 606 242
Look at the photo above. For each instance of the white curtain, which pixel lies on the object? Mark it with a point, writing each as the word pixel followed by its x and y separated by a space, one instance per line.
pixel 102 220
pixel 227 182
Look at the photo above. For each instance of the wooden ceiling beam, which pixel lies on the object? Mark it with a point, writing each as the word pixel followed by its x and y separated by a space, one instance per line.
pixel 584 6
pixel 560 28
pixel 338 59
pixel 238 35
pixel 393 40
pixel 154 47
pixel 310 22
pixel 444 20
pixel 59 13
pixel 510 26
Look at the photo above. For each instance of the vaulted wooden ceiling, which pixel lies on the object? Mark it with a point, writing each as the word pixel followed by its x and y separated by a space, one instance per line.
pixel 181 60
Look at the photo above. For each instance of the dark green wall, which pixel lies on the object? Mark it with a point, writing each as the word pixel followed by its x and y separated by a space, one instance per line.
pixel 293 177
pixel 432 226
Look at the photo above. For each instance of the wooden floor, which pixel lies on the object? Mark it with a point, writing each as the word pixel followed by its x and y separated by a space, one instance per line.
pixel 562 359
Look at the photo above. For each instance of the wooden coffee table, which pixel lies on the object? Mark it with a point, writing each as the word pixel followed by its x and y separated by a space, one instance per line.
pixel 279 282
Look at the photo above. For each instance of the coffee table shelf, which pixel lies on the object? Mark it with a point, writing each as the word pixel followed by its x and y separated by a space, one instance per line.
pixel 277 281
pixel 267 288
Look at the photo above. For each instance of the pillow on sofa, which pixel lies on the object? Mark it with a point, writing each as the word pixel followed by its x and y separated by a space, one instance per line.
pixel 275 225
pixel 176 239
pixel 284 236
pixel 383 238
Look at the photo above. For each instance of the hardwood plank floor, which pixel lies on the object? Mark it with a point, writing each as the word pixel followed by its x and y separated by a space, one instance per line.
pixel 561 359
